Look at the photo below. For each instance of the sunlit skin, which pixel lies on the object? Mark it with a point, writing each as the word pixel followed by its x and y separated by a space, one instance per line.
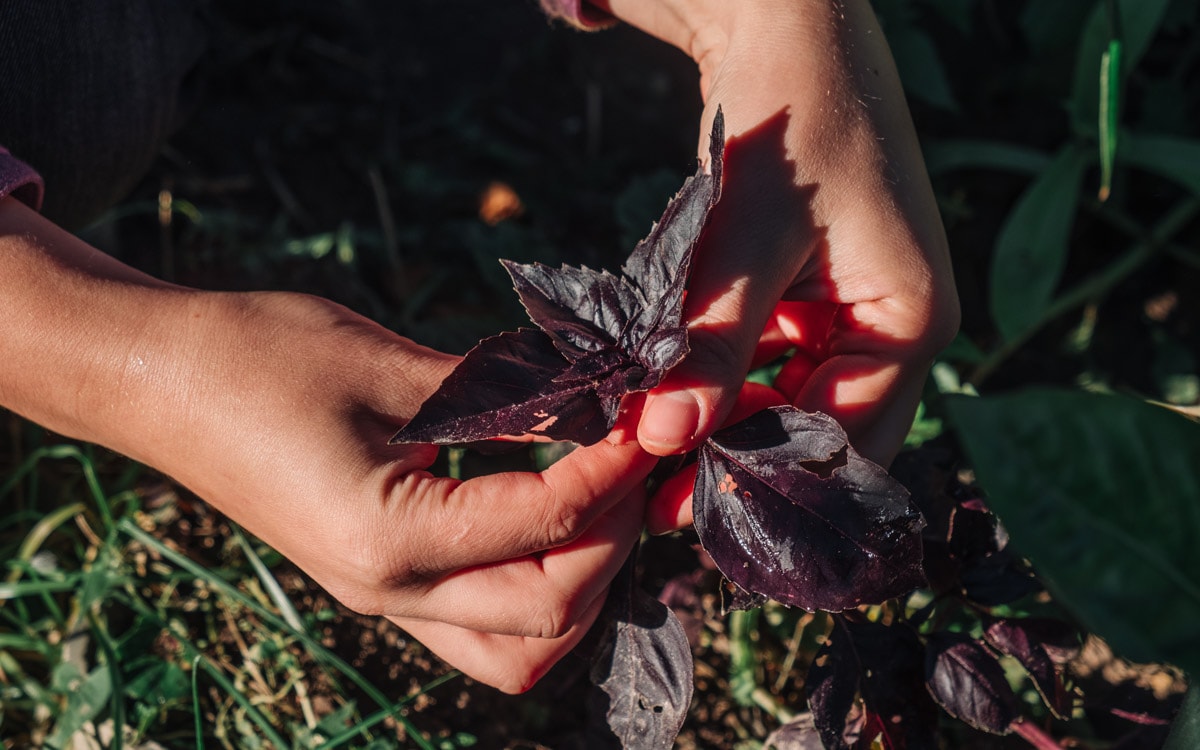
pixel 277 408
pixel 826 202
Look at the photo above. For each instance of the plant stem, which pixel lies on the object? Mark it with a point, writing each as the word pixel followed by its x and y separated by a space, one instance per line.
pixel 117 697
pixel 742 661
pixel 1034 735
pixel 1095 286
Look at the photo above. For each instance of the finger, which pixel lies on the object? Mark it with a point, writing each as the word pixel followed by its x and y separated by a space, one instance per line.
pixel 794 374
pixel 751 399
pixel 671 507
pixel 507 662
pixel 772 344
pixel 750 253
pixel 540 596
pixel 870 382
pixel 452 525
pixel 872 396
pixel 805 325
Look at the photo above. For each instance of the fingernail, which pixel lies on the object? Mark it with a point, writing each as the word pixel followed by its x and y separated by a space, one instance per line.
pixel 669 422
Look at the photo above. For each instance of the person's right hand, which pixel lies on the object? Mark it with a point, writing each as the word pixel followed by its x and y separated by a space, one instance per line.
pixel 277 409
pixel 827 231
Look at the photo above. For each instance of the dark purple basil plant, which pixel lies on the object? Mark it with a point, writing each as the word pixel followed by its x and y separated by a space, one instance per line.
pixel 783 504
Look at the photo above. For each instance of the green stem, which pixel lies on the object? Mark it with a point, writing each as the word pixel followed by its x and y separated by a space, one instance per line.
pixel 199 726
pixel 118 684
pixel 742 662
pixel 1095 286
pixel 60 452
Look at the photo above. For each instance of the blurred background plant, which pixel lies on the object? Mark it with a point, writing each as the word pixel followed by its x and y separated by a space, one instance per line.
pixel 385 155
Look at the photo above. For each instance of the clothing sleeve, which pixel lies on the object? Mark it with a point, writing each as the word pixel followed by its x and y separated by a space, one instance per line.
pixel 19 180
pixel 579 13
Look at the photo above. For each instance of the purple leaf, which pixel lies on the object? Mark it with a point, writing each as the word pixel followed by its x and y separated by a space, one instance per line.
pixel 505 386
pixel 644 666
pixel 787 509
pixel 833 686
pixel 1039 644
pixel 582 310
pixel 601 337
pixel 797 734
pixel 658 267
pixel 967 681
pixel 881 667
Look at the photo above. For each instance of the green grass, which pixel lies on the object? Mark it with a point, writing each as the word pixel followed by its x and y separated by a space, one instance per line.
pixel 105 622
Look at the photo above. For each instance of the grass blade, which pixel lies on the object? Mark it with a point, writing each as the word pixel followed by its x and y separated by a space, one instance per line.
pixel 1110 106
pixel 118 683
pixel 64 452
pixel 213 671
pixel 274 590
pixel 39 533
pixel 363 726
pixel 196 703
pixel 321 653
pixel 18 590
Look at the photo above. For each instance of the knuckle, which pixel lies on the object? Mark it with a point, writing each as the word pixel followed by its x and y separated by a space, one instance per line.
pixel 360 599
pixel 944 319
pixel 517 680
pixel 561 524
pixel 554 618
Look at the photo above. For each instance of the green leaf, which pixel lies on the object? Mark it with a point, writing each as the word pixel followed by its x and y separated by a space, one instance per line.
pixel 945 155
pixel 99 579
pixel 1174 158
pixel 1110 113
pixel 84 701
pixel 1140 20
pixel 920 69
pixel 1185 731
pixel 1102 493
pixel 962 349
pixel 1048 27
pixel 957 13
pixel 338 720
pixel 161 683
pixel 1031 250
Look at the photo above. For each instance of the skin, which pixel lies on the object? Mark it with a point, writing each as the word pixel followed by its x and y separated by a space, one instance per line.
pixel 277 408
pixel 827 232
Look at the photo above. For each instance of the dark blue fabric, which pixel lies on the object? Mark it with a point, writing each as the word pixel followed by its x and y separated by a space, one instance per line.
pixel 91 89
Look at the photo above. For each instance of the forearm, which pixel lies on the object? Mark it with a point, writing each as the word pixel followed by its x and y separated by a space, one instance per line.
pixel 86 335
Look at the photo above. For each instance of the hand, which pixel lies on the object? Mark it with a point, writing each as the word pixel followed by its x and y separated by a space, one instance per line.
pixel 500 575
pixel 827 230
pixel 277 409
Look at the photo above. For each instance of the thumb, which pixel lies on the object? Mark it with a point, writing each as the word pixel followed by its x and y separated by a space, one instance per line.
pixel 749 254
pixel 698 394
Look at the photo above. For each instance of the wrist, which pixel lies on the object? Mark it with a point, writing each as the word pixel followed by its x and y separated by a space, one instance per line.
pixel 83 324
